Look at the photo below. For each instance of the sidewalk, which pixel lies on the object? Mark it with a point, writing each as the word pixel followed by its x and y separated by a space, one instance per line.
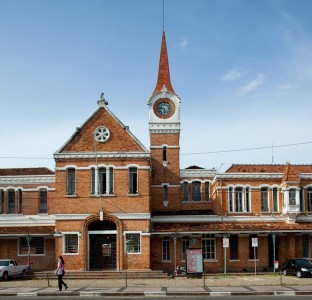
pixel 211 286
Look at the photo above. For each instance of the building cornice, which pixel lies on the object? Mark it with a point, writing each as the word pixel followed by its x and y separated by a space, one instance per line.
pixel 215 218
pixel 92 155
pixel 31 179
pixel 121 216
pixel 186 173
pixel 26 220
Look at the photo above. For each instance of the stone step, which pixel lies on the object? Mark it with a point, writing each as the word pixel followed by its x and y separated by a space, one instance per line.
pixel 101 274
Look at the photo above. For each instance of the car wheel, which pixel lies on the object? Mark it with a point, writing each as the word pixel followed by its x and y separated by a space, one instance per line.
pixel 23 274
pixel 5 276
pixel 299 274
pixel 285 273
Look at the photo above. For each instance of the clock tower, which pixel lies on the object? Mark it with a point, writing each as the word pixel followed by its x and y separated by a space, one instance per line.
pixel 164 129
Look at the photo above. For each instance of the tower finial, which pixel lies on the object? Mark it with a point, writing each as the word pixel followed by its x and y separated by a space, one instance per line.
pixel 163 25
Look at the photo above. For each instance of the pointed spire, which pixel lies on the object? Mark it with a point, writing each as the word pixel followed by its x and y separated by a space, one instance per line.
pixel 163 71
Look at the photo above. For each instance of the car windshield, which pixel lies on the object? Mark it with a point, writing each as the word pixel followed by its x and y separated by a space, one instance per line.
pixel 303 262
pixel 4 263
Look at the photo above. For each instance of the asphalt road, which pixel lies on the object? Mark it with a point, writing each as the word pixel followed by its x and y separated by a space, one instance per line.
pixel 166 297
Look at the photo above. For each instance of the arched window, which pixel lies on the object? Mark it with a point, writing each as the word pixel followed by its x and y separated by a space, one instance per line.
pixel 43 201
pixel 164 153
pixel 264 199
pixel 196 191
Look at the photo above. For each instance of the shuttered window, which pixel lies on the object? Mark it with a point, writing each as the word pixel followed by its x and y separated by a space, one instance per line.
pixel 71 243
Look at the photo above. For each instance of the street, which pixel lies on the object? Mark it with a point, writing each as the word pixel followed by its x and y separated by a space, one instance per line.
pixel 162 297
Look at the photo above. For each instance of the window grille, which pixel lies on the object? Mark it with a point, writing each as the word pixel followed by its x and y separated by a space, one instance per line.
pixel 71 243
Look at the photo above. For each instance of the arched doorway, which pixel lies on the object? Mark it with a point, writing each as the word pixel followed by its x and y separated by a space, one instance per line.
pixel 102 245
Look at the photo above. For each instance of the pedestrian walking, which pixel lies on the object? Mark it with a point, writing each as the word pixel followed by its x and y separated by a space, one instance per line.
pixel 60 271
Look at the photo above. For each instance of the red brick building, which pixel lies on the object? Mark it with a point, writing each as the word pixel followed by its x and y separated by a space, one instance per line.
pixel 112 204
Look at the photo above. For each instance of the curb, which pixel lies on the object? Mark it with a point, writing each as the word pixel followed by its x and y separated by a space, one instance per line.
pixel 151 294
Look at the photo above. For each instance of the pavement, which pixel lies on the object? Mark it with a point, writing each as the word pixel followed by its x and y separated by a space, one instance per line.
pixel 216 285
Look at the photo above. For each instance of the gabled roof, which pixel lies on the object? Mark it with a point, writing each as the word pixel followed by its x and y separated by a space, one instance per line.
pixel 163 70
pixel 246 168
pixel 102 109
pixel 194 168
pixel 290 174
pixel 26 171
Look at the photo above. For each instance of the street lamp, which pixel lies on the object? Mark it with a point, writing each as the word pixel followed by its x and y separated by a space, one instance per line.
pixel 28 240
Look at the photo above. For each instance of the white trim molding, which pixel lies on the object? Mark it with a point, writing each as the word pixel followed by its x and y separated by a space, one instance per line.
pixel 93 155
pixel 26 220
pixel 31 179
pixel 215 218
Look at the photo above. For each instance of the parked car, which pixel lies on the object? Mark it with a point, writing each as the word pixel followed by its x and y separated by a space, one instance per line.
pixel 299 267
pixel 10 268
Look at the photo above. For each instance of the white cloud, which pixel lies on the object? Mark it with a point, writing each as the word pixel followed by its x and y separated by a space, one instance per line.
pixel 252 85
pixel 286 86
pixel 183 43
pixel 233 74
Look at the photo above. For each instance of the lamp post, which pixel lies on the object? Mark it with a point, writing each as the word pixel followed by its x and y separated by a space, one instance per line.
pixel 28 240
pixel 274 240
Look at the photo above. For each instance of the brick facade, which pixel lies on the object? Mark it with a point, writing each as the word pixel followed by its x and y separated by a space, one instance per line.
pixel 111 204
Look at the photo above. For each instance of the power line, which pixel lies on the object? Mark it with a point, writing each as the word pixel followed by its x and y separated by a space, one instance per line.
pixel 191 153
pixel 247 149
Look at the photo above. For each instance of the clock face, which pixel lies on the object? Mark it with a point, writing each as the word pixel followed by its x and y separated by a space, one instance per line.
pixel 164 108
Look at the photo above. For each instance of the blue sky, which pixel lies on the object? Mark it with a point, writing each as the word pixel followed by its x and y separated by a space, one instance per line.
pixel 242 68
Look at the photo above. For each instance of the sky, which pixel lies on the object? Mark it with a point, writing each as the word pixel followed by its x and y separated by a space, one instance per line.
pixel 242 68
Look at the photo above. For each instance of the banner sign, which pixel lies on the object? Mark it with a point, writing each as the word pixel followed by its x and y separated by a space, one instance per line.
pixel 194 258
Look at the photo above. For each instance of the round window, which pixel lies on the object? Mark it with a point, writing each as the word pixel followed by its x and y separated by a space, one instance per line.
pixel 101 134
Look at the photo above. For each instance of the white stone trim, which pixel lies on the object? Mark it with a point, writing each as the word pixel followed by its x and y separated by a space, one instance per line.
pixel 167 184
pixel 14 220
pixel 121 216
pixel 162 131
pixel 249 175
pixel 164 145
pixel 132 216
pixel 185 173
pixel 103 166
pixel 215 218
pixel 92 155
pixel 63 217
pixel 31 179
